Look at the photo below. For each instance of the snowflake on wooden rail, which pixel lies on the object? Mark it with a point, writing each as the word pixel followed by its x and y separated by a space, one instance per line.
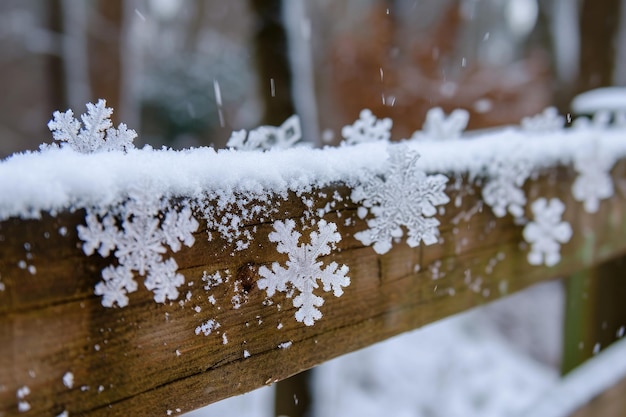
pixel 547 232
pixel 503 191
pixel 367 129
pixel 404 196
pixel 267 137
pixel 547 121
pixel 304 269
pixel 137 233
pixel 97 135
pixel 438 126
pixel 594 182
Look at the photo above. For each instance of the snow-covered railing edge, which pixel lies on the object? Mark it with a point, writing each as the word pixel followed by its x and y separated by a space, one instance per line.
pixel 243 244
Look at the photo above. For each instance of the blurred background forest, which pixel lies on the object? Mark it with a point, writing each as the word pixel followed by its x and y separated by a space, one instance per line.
pixel 188 72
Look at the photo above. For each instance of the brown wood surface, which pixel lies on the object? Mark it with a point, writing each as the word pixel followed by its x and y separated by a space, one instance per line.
pixel 146 359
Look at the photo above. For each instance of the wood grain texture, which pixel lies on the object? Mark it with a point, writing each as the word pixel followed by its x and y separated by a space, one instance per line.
pixel 146 359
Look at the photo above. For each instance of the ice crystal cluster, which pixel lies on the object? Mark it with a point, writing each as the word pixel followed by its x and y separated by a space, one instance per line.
pixel 138 232
pixel 268 137
pixel 402 197
pixel 96 133
pixel 503 189
pixel 594 182
pixel 304 270
pixel 547 232
pixel 367 128
pixel 438 126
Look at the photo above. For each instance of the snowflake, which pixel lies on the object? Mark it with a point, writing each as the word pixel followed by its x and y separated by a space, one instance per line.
pixel 547 121
pixel 303 269
pixel 594 182
pixel 503 190
pixel 403 196
pixel 600 120
pixel 267 137
pixel 97 135
pixel 439 127
pixel 547 232
pixel 207 327
pixel 138 234
pixel 367 129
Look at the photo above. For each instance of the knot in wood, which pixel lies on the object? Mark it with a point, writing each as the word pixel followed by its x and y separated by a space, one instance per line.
pixel 248 275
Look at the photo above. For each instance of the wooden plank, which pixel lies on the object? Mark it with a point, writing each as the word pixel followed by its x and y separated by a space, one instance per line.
pixel 145 359
pixel 595 311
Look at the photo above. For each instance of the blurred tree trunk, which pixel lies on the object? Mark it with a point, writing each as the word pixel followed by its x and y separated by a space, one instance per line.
pixel 599 26
pixel 56 66
pixel 270 45
pixel 105 45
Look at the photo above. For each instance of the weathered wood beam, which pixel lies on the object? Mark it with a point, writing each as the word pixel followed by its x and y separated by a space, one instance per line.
pixel 146 359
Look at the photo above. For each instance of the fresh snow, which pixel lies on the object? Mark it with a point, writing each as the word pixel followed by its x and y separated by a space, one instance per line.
pixel 61 179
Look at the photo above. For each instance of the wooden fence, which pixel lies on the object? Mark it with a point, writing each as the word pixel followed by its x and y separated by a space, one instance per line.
pixel 62 350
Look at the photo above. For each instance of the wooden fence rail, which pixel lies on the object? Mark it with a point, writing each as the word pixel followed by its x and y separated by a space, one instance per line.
pixel 61 350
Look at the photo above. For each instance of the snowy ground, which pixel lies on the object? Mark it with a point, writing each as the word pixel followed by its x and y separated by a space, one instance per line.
pixel 493 361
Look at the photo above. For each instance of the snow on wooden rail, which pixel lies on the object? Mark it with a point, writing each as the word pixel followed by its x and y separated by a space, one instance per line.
pixel 211 273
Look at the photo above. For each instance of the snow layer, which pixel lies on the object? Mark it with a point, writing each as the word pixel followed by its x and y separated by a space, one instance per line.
pixel 60 179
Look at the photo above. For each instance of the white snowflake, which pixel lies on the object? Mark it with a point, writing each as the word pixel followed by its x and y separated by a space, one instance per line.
pixel 547 232
pixel 547 121
pixel 403 196
pixel 600 120
pixel 367 128
pixel 207 327
pixel 267 137
pixel 503 190
pixel 138 231
pixel 594 182
pixel 439 127
pixel 303 268
pixel 97 133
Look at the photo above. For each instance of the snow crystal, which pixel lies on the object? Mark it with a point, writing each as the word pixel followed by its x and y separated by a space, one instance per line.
pixel 246 354
pixel 439 127
pixel 367 129
pixel 207 327
pixel 139 237
pixel 547 232
pixel 21 394
pixel 268 137
pixel 285 345
pixel 503 190
pixel 594 182
pixel 547 121
pixel 96 135
pixel 303 269
pixel 68 380
pixel 403 196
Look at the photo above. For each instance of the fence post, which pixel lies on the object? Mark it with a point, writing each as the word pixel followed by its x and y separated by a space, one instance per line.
pixel 595 314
